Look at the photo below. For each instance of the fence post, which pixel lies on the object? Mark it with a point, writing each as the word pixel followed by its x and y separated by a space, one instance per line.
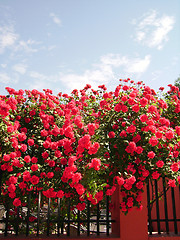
pixel 115 213
pixel 132 226
pixel 1 173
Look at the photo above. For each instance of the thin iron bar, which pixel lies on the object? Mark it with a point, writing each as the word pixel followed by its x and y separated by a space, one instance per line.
pixel 7 219
pixel 149 210
pixel 174 211
pixel 107 215
pixel 78 233
pixel 17 222
pixel 1 173
pixel 165 206
pixel 59 217
pixel 38 213
pixel 98 217
pixel 88 218
pixel 28 214
pixel 68 225
pixel 157 207
pixel 48 216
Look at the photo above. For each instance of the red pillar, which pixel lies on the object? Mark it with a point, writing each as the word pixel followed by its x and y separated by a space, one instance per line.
pixel 132 226
pixel 115 213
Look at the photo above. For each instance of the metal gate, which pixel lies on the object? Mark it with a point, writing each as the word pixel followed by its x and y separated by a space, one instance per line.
pixel 163 208
pixel 56 217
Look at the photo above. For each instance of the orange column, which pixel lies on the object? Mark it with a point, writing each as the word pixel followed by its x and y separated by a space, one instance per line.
pixel 115 213
pixel 132 226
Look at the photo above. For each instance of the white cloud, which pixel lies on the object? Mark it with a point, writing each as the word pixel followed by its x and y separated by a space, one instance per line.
pixel 39 76
pixel 152 30
pixel 27 46
pixel 56 19
pixel 8 37
pixel 52 47
pixel 108 70
pixel 4 78
pixel 20 68
pixel 94 77
pixel 114 60
pixel 39 85
pixel 54 78
pixel 156 75
pixel 3 65
pixel 138 65
pixel 40 81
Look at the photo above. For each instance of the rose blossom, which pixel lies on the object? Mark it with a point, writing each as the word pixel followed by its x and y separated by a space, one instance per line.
pixel 151 154
pixel 175 167
pixel 17 202
pixel 160 163
pixel 81 206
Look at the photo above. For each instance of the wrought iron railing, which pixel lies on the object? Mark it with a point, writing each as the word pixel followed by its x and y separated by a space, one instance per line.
pixel 58 220
pixel 163 204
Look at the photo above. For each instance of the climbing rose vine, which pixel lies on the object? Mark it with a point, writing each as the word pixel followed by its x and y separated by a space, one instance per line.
pixel 84 145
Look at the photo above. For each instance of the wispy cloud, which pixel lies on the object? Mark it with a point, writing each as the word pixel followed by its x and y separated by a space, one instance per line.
pixel 152 30
pixel 8 37
pixel 52 47
pixel 40 81
pixel 4 78
pixel 138 65
pixel 3 65
pixel 102 73
pixel 20 68
pixel 107 70
pixel 29 46
pixel 56 19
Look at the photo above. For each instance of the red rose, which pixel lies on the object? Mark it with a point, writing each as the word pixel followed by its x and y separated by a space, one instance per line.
pixel 120 180
pixel 169 134
pixel 151 154
pixel 175 167
pixel 160 163
pixel 81 206
pixel 13 179
pixel 153 141
pixel 177 130
pixel 17 202
pixel 34 167
pixel 34 180
pixel 111 134
pixel 80 189
pixel 131 147
pixel 22 136
pixel 30 142
pixel 11 188
pixel 95 163
pixel 172 183
pixel 60 194
pixel 155 175
pixel 50 174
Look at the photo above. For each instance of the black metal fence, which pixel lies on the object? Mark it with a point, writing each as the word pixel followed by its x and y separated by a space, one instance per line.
pixel 59 218
pixel 163 208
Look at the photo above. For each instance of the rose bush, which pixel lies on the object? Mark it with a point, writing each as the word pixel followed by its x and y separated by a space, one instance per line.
pixel 84 145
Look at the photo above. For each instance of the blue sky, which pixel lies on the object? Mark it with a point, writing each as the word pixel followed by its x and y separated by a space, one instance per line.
pixel 64 44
